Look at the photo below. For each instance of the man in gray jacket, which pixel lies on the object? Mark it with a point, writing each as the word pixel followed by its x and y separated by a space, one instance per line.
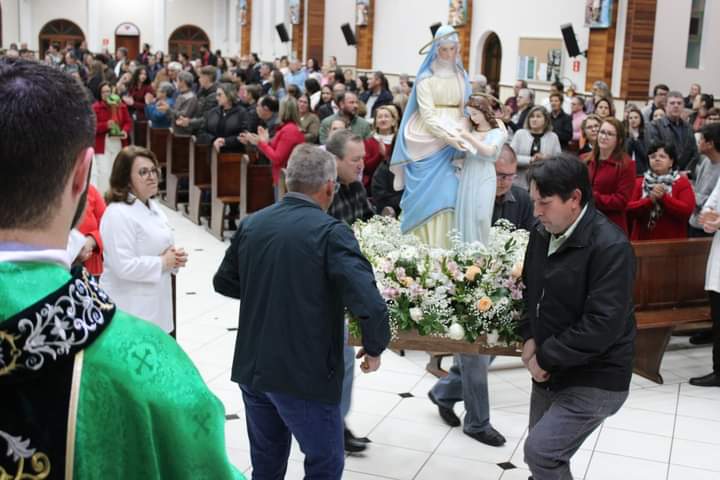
pixel 673 129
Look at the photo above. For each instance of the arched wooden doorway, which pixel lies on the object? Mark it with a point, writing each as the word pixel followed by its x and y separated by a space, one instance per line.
pixel 188 39
pixel 61 32
pixel 128 35
pixel 492 58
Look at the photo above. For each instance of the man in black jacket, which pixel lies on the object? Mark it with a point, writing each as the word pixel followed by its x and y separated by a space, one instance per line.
pixel 377 95
pixel 673 129
pixel 512 203
pixel 561 121
pixel 295 269
pixel 579 327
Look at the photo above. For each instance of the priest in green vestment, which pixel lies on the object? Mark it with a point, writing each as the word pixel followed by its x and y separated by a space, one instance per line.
pixel 86 391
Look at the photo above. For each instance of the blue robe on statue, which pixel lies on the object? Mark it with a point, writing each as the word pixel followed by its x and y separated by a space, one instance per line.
pixel 422 158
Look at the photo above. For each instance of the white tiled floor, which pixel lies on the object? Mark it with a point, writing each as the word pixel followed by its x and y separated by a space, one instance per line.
pixel 667 432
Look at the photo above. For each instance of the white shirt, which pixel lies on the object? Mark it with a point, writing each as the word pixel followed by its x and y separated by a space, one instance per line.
pixel 134 236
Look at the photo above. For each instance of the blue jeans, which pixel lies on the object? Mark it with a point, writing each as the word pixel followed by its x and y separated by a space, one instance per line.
pixel 349 361
pixel 271 420
pixel 560 421
pixel 467 380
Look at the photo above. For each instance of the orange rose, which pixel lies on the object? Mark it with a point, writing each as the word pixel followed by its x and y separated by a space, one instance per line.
pixel 408 282
pixel 484 304
pixel 472 272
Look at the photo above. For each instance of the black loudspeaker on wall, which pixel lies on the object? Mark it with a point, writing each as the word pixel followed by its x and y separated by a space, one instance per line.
pixel 282 31
pixel 348 34
pixel 570 41
pixel 434 28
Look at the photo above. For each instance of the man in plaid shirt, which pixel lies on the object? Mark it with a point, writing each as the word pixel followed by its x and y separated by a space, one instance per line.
pixel 350 204
pixel 351 201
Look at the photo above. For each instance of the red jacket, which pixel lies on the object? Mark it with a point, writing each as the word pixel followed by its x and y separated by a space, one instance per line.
pixel 373 157
pixel 103 114
pixel 90 226
pixel 677 208
pixel 138 96
pixel 612 186
pixel 278 151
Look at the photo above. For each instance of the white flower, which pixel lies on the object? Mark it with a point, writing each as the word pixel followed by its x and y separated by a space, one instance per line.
pixel 456 331
pixel 416 314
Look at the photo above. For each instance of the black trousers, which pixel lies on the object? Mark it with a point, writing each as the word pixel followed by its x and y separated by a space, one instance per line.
pixel 715 314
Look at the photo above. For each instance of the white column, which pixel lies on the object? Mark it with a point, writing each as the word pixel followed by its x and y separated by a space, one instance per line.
pixel 232 28
pixel 93 25
pixel 619 51
pixel 218 36
pixel 160 39
pixel 25 25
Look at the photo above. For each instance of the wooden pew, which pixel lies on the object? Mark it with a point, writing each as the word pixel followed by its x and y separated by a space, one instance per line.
pixel 178 166
pixel 140 133
pixel 235 180
pixel 157 143
pixel 199 177
pixel 669 292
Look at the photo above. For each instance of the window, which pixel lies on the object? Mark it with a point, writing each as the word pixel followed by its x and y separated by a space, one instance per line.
pixel 697 17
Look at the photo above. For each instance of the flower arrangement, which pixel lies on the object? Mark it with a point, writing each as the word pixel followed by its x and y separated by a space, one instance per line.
pixel 465 292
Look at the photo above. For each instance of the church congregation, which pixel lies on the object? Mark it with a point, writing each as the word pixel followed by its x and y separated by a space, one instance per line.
pixel 179 251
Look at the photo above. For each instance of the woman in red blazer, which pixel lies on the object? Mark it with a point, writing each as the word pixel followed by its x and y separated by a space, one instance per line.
pixel 612 172
pixel 112 133
pixel 287 137
pixel 91 253
pixel 663 199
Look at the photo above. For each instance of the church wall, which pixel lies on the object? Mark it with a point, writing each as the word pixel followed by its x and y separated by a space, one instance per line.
pixel 401 28
pixel 191 12
pixel 338 12
pixel 511 20
pixel 670 48
pixel 10 26
pixel 44 11
pixel 137 12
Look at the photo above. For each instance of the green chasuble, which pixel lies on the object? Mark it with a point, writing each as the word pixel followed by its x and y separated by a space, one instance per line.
pixel 89 392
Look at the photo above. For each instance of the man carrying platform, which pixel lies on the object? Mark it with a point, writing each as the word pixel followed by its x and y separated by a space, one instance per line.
pixel 87 390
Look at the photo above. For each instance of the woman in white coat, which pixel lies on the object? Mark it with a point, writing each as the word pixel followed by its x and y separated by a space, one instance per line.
pixel 139 254
pixel 710 220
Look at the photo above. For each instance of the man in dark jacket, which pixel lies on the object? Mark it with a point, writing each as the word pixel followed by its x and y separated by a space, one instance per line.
pixel 561 121
pixel 206 99
pixel 673 129
pixel 295 269
pixel 377 94
pixel 579 327
pixel 512 203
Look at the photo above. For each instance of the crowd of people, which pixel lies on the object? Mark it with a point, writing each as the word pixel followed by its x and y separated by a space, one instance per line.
pixel 653 174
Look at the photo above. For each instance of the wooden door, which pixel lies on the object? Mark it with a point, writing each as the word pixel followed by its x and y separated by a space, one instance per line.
pixel 492 58
pixel 132 43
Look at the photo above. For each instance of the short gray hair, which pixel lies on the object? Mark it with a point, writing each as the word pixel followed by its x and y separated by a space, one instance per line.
pixel 337 143
pixel 309 168
pixel 167 88
pixel 187 78
pixel 176 66
pixel 526 92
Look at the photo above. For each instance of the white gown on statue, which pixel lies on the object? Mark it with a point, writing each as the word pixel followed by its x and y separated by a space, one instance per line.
pixel 476 194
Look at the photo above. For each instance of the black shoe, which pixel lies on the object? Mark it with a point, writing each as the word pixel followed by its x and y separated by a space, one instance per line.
pixel 709 380
pixel 701 338
pixel 349 434
pixel 489 437
pixel 354 444
pixel 447 414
